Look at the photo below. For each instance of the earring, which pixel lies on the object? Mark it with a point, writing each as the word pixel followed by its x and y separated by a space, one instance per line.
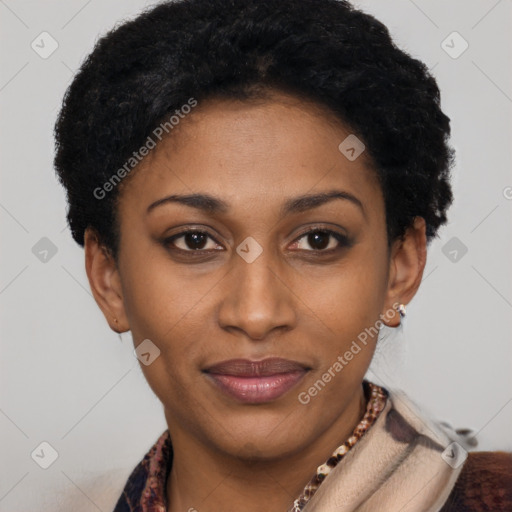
pixel 400 308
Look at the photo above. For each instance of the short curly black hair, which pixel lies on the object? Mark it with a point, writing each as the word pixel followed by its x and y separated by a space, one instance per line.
pixel 322 50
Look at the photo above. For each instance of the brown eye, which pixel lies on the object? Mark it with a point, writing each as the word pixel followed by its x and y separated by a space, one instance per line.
pixel 321 240
pixel 195 240
pixel 191 240
pixel 318 239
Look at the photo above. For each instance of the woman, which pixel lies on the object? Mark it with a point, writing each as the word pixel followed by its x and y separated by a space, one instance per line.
pixel 255 185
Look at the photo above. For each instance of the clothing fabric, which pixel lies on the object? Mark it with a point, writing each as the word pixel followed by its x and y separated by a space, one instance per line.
pixel 395 459
pixel 408 462
pixel 376 398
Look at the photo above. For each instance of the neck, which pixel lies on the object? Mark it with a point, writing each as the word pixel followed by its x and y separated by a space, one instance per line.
pixel 203 479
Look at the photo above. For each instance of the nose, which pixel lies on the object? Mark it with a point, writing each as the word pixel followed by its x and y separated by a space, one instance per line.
pixel 258 299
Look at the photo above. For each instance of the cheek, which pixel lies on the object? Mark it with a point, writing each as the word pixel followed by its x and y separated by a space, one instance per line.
pixel 350 295
pixel 155 297
pixel 177 337
pixel 165 307
pixel 349 302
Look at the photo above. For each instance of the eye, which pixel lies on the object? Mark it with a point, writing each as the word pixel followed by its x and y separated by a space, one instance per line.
pixel 196 241
pixel 321 240
pixel 191 240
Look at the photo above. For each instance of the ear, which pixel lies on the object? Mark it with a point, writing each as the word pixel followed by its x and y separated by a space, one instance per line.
pixel 407 263
pixel 105 282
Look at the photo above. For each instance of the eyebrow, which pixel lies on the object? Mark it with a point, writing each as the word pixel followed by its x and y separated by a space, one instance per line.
pixel 213 205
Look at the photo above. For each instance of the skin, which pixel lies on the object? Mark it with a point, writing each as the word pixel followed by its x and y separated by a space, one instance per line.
pixel 293 301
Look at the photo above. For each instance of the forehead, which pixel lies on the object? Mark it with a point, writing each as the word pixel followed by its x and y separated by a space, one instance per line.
pixel 257 149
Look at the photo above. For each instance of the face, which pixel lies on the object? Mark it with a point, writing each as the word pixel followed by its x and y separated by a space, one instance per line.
pixel 265 273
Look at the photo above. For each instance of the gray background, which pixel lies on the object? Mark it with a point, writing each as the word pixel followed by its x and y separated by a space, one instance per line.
pixel 66 379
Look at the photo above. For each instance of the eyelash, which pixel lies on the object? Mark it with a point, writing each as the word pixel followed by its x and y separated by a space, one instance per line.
pixel 344 242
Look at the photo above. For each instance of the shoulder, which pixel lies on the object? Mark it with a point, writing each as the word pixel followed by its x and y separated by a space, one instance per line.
pixel 484 484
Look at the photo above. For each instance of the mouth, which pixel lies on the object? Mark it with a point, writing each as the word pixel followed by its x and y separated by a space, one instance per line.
pixel 256 382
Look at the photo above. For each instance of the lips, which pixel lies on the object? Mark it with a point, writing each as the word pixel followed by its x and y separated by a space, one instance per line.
pixel 256 381
pixel 247 368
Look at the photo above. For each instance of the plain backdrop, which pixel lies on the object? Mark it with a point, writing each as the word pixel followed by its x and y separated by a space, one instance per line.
pixel 66 379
